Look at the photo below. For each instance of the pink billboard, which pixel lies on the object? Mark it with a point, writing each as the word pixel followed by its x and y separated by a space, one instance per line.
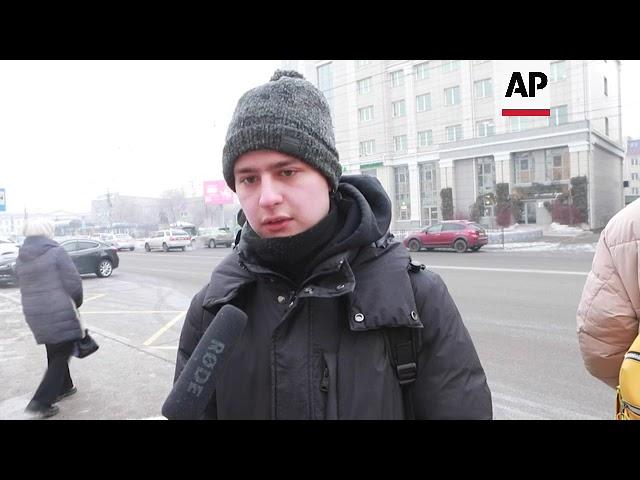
pixel 216 192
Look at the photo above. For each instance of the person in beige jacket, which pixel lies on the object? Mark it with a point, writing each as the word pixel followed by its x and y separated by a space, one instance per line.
pixel 609 309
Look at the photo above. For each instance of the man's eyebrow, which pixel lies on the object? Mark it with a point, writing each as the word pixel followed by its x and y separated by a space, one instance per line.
pixel 275 166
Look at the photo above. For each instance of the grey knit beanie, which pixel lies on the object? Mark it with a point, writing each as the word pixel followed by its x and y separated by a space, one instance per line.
pixel 289 115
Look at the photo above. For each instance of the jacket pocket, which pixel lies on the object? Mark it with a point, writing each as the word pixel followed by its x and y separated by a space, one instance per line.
pixel 328 385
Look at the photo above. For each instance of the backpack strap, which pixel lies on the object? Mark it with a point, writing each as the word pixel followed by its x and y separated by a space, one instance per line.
pixel 404 345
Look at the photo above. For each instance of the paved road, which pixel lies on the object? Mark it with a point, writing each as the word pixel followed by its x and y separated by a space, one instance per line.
pixel 519 308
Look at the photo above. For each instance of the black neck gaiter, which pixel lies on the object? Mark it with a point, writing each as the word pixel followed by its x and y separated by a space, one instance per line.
pixel 294 256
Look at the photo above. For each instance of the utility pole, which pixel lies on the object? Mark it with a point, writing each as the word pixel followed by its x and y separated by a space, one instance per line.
pixel 109 205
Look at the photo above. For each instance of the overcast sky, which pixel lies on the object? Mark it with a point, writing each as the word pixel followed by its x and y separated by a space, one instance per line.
pixel 71 130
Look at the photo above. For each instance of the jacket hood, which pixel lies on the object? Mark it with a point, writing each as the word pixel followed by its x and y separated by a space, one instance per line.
pixel 33 247
pixel 367 212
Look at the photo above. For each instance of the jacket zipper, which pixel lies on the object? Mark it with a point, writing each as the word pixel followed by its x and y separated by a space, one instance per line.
pixel 324 383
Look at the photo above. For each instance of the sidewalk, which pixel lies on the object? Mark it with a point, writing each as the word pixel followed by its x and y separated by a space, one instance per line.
pixel 544 238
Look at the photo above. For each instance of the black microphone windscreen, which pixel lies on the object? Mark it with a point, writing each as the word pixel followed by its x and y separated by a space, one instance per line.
pixel 193 390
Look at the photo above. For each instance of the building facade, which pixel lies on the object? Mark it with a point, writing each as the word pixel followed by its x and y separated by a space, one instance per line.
pixel 632 170
pixel 421 126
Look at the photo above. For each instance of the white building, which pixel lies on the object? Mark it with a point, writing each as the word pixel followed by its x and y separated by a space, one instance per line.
pixel 424 125
pixel 632 170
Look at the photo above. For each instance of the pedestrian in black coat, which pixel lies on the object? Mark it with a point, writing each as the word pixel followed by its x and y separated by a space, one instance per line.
pixel 323 283
pixel 51 290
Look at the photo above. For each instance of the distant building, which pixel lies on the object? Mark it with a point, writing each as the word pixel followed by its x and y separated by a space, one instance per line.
pixel 421 126
pixel 632 170
pixel 13 223
pixel 115 211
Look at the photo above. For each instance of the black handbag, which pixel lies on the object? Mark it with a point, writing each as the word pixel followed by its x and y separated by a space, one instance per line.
pixel 85 346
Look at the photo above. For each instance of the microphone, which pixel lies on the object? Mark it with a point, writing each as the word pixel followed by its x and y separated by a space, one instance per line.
pixel 193 390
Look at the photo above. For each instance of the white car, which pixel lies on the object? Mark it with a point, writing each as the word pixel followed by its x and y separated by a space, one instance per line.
pixel 168 239
pixel 122 241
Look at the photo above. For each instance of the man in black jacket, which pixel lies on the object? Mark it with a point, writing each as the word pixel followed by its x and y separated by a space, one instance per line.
pixel 324 285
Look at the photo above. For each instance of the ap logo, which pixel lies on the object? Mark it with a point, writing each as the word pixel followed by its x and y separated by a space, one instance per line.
pixel 523 85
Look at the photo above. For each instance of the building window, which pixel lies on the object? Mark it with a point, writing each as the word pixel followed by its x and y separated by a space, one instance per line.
pixel 517 124
pixel 606 89
pixel 365 114
pixel 450 65
pixel 453 133
pixel 400 143
pixel 425 138
pixel 558 71
pixel 398 109
pixel 559 115
pixel 486 171
pixel 524 167
pixel 422 71
pixel 428 193
pixel 485 128
pixel 362 63
pixel 557 164
pixel 367 148
pixel 325 82
pixel 403 200
pixel 634 161
pixel 364 86
pixel 634 191
pixel 452 95
pixel 369 172
pixel 397 78
pixel 606 126
pixel 634 176
pixel 483 88
pixel 423 102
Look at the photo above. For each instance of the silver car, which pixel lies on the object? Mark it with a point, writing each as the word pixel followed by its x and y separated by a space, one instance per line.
pixel 212 237
pixel 124 242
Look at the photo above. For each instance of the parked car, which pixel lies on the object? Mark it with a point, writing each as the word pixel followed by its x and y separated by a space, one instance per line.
pixel 212 237
pixel 8 268
pixel 7 246
pixel 167 240
pixel 457 234
pixel 17 239
pixel 92 256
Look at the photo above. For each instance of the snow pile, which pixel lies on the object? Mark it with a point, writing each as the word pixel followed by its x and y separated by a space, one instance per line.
pixel 559 229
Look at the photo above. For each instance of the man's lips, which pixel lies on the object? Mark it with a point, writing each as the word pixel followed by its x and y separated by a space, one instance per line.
pixel 274 225
pixel 275 220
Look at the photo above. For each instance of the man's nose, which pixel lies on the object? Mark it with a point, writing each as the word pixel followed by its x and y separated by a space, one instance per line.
pixel 269 193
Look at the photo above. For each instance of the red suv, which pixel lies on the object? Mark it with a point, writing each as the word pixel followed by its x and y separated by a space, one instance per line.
pixel 457 234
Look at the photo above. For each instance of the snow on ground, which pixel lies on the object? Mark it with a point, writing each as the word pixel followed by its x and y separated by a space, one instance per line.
pixel 542 247
pixel 558 229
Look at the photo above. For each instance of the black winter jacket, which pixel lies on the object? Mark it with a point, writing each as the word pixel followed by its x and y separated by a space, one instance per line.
pixel 49 284
pixel 319 352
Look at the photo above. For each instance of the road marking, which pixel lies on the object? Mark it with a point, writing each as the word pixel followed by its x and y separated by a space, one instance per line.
pixel 134 269
pixel 502 401
pixel 508 270
pixel 155 336
pixel 99 295
pixel 9 297
pixel 130 311
pixel 110 335
pixel 19 302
